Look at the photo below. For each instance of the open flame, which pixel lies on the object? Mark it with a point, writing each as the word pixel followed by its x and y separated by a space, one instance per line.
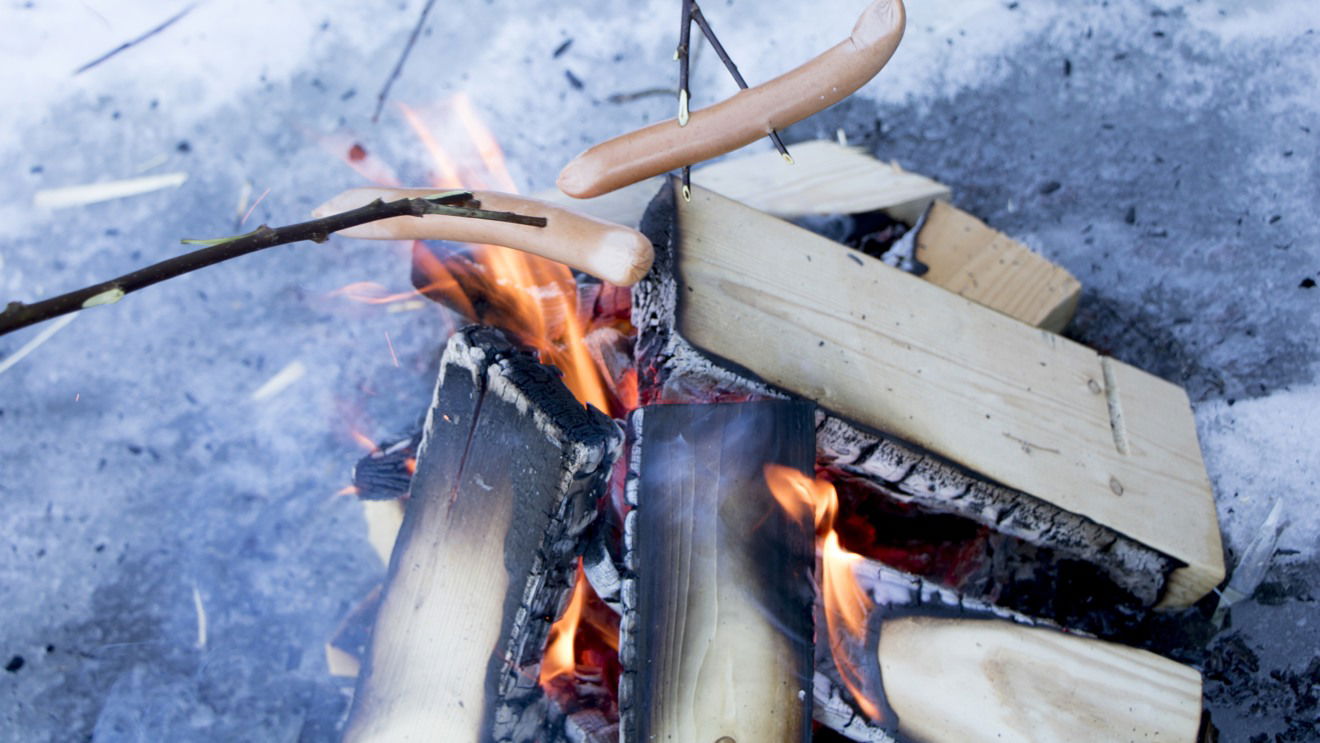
pixel 846 605
pixel 530 297
pixel 560 658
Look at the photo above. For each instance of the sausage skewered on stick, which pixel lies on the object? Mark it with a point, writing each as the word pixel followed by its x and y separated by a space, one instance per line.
pixel 608 251
pixel 747 115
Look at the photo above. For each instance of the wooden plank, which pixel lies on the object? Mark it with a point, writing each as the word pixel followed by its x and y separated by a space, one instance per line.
pixel 717 626
pixel 1025 408
pixel 992 681
pixel 990 268
pixel 825 178
pixel 508 475
pixel 952 669
pixel 963 255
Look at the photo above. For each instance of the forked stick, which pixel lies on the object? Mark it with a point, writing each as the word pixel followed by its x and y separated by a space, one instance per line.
pixel 747 115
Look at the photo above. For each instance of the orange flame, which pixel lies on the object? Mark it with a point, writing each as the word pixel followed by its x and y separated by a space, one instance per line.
pixel 532 297
pixel 560 658
pixel 846 604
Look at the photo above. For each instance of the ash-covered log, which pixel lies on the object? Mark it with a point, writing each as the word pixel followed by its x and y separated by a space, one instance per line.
pixel 941 401
pixel 716 636
pixel 509 472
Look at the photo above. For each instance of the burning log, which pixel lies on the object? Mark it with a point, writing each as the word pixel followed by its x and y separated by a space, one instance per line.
pixel 508 475
pixel 961 409
pixel 716 636
pixel 954 669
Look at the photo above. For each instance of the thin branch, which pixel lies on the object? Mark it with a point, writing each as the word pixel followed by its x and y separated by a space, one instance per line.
pixel 684 46
pixel 134 42
pixel 452 203
pixel 681 54
pixel 403 59
pixel 704 25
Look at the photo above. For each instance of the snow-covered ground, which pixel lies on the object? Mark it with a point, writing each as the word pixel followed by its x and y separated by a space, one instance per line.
pixel 144 482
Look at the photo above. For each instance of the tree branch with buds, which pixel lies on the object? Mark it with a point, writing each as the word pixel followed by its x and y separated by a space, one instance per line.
pixel 451 203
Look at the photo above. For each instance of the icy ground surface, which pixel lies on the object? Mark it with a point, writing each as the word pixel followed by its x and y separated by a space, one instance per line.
pixel 1166 154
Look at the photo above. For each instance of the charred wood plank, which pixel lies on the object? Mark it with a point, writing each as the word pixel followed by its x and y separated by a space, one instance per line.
pixel 1085 454
pixel 509 472
pixel 716 636
pixel 959 669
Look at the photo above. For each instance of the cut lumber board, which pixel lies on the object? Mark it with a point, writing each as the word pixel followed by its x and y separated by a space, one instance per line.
pixel 509 472
pixel 716 635
pixel 825 178
pixel 988 267
pixel 953 669
pixel 993 681
pixel 962 254
pixel 1024 408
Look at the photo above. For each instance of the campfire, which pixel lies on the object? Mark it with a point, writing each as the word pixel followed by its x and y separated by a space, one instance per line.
pixel 770 523
pixel 753 453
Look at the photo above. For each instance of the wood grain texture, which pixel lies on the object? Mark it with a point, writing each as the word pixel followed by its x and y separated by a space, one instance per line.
pixel 990 268
pixel 1023 407
pixel 717 628
pixel 825 178
pixel 987 680
pixel 508 475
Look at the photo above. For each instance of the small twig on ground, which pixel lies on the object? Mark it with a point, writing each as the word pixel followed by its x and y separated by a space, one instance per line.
pixel 639 94
pixel 452 203
pixel 134 42
pixel 403 59
pixel 704 25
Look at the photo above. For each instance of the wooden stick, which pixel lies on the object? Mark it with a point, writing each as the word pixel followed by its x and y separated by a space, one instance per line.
pixel 700 19
pixel 508 476
pixel 19 315
pixel 717 633
pixel 746 116
pixel 607 251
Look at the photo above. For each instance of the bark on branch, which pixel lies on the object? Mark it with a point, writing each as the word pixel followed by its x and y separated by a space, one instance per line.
pixel 453 203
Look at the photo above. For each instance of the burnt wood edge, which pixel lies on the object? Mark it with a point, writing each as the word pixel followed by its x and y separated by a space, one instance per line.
pixel 632 656
pixel 666 360
pixel 591 442
pixel 894 594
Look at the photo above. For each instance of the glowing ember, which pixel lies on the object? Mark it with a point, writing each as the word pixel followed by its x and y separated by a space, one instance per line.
pixel 364 441
pixel 846 604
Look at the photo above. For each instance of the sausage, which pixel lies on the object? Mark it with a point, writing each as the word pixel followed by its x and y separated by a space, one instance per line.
pixel 744 117
pixel 605 250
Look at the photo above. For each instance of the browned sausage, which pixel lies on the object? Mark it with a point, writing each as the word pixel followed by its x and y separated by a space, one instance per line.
pixel 746 116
